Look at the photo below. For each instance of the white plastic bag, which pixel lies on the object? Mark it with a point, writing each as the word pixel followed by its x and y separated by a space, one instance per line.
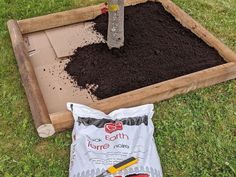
pixel 100 141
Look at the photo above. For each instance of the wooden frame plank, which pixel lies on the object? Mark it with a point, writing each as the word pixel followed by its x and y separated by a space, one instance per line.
pixel 59 19
pixel 65 18
pixel 47 124
pixel 36 102
pixel 154 93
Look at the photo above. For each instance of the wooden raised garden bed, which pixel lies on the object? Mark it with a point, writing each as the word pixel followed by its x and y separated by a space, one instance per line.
pixel 49 119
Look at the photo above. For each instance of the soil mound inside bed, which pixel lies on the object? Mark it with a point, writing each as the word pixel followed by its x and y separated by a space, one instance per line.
pixel 157 48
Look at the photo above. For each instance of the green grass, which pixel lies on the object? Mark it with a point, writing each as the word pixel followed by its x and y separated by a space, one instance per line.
pixel 195 133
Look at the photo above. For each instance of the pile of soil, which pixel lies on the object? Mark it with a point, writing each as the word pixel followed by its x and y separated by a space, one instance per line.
pixel 157 48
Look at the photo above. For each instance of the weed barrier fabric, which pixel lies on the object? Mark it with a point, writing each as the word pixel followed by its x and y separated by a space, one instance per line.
pixel 157 48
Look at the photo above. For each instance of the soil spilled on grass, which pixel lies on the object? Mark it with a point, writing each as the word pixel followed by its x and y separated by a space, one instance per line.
pixel 157 48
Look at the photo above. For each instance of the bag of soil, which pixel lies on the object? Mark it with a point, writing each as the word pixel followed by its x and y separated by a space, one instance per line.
pixel 101 140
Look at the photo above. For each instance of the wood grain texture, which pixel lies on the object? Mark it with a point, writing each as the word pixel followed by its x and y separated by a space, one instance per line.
pixel 65 18
pixel 154 93
pixel 36 102
pixel 59 19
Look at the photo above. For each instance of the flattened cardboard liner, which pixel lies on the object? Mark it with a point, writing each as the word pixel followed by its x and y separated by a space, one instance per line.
pixel 46 49
pixel 65 40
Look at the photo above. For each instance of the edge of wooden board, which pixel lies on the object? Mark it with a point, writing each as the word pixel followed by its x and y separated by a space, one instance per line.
pixel 154 93
pixel 36 102
pixel 66 17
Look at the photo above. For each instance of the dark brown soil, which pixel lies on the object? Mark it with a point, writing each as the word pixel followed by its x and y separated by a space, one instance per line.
pixel 157 48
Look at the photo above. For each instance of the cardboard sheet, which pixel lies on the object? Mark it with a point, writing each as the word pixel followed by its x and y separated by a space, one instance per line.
pixel 65 40
pixel 55 84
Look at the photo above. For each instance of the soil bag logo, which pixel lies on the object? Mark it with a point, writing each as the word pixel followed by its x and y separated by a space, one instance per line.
pixel 112 127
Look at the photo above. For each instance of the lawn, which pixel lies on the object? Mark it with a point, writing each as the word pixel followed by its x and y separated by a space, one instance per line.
pixel 195 133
